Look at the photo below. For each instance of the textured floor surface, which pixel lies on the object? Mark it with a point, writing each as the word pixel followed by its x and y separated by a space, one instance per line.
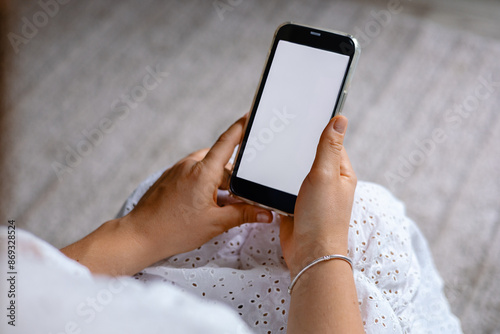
pixel 423 110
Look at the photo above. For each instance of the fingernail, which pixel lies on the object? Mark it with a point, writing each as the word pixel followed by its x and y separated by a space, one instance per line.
pixel 263 217
pixel 340 125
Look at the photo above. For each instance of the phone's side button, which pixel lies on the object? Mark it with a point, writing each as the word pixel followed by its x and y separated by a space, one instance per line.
pixel 341 103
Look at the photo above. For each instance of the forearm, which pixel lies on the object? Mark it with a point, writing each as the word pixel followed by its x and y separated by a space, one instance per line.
pixel 112 249
pixel 324 300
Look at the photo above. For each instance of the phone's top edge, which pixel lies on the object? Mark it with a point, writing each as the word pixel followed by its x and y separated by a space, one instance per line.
pixel 357 48
pixel 338 32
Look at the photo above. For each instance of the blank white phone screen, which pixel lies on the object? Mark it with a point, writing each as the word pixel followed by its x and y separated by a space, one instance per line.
pixel 297 102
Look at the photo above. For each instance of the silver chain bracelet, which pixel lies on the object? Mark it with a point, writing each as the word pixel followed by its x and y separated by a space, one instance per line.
pixel 321 259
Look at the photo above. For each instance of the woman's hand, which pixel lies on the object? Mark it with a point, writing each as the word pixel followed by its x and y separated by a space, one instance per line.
pixel 324 299
pixel 323 209
pixel 180 212
pixel 177 214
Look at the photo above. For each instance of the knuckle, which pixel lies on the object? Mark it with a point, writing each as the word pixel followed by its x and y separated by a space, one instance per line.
pixel 197 167
pixel 319 174
pixel 332 141
pixel 334 145
pixel 247 215
pixel 225 137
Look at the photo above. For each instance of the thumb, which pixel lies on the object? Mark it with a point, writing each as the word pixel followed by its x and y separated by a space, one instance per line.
pixel 329 151
pixel 240 213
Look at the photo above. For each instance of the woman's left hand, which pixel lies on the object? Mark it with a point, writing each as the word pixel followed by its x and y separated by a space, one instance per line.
pixel 182 207
pixel 177 214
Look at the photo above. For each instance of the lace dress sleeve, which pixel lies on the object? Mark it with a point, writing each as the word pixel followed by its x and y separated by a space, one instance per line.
pixel 55 294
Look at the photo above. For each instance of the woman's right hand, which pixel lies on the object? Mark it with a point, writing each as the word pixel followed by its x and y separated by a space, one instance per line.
pixel 323 209
pixel 324 300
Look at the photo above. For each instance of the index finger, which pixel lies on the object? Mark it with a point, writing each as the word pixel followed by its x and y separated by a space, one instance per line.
pixel 222 150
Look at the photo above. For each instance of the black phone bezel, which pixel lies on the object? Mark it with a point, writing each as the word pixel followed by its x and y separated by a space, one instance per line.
pixel 320 39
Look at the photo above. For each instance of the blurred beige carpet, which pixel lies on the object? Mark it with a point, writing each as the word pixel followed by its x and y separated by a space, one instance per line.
pixel 85 127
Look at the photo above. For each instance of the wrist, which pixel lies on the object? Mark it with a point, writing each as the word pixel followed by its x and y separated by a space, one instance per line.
pixel 137 242
pixel 111 249
pixel 319 261
pixel 313 250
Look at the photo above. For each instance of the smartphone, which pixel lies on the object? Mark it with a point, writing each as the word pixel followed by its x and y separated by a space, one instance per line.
pixel 303 85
